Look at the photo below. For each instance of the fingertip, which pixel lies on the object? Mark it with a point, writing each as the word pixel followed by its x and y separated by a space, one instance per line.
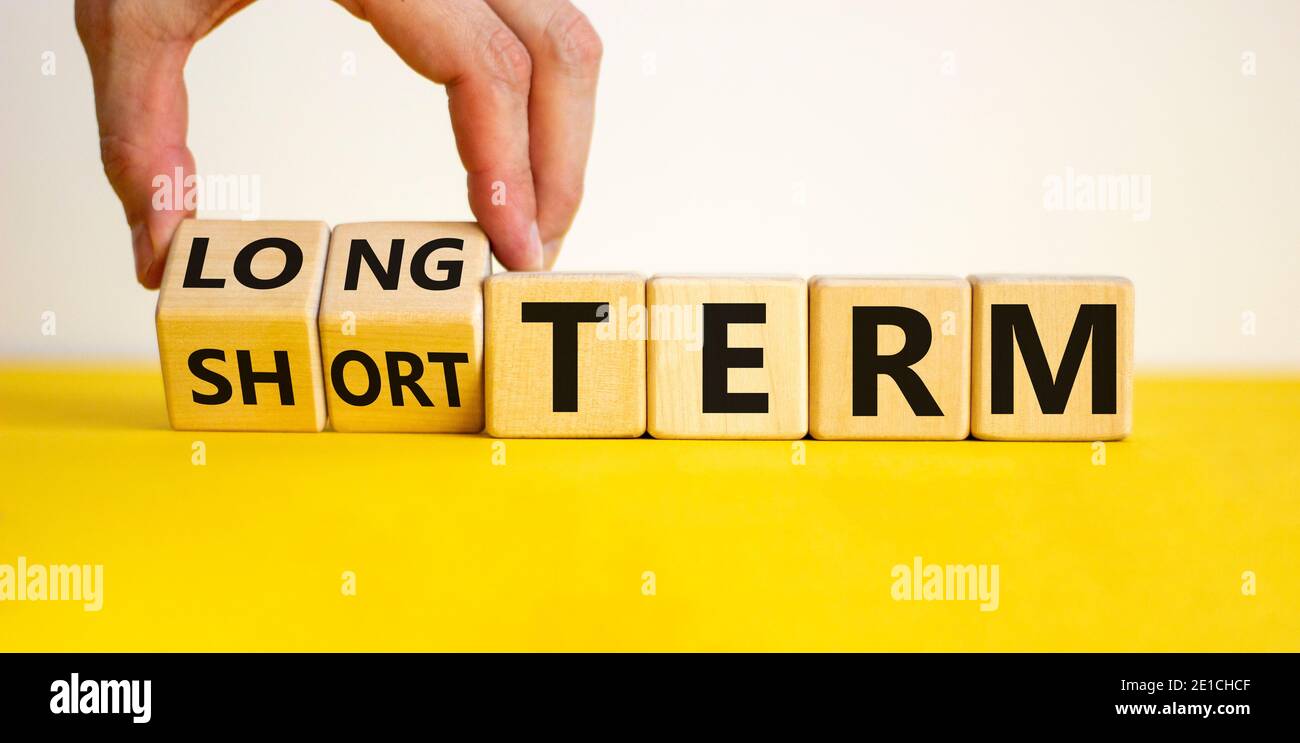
pixel 551 252
pixel 506 209
pixel 142 248
pixel 152 278
pixel 521 254
pixel 151 244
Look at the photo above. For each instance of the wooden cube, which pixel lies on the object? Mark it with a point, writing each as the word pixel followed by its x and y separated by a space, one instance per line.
pixel 728 357
pixel 401 326
pixel 237 326
pixel 1052 358
pixel 889 357
pixel 565 355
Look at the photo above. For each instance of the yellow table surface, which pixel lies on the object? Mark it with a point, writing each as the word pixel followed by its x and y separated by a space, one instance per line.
pixel 547 551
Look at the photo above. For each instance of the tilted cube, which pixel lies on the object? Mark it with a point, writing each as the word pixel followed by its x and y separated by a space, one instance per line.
pixel 236 324
pixel 401 326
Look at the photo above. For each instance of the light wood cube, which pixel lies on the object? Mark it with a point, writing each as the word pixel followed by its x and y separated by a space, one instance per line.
pixel 889 357
pixel 565 355
pixel 237 326
pixel 401 326
pixel 728 357
pixel 1052 357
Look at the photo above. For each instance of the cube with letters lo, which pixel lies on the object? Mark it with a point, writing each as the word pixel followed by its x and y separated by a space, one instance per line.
pixel 889 357
pixel 565 355
pixel 728 357
pixel 401 326
pixel 1052 358
pixel 236 324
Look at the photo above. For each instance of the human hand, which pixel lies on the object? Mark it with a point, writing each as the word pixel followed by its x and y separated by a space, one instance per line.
pixel 520 78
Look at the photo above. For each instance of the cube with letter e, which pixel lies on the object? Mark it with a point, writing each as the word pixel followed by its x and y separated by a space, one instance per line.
pixel 728 357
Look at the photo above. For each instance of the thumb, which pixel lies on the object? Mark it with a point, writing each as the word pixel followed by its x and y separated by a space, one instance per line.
pixel 141 106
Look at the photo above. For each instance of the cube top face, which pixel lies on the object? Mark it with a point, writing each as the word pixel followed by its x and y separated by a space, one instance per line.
pixel 565 355
pixel 889 357
pixel 859 280
pixel 401 326
pixel 1040 279
pixel 236 321
pixel 220 268
pixel 1052 358
pixel 727 279
pixel 728 357
pixel 567 278
pixel 403 271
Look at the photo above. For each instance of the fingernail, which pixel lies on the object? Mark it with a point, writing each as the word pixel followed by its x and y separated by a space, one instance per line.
pixel 551 251
pixel 536 253
pixel 142 246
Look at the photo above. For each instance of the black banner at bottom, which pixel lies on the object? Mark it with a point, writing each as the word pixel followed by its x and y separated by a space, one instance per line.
pixel 246 692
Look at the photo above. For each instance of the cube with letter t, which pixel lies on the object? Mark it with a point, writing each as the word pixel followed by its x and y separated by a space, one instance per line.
pixel 728 357
pixel 1052 358
pixel 237 326
pixel 565 355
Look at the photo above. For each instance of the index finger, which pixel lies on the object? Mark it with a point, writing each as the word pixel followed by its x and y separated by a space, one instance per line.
pixel 486 69
pixel 566 53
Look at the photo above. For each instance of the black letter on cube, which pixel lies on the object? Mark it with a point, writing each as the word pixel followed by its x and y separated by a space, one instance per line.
pixel 868 364
pixel 1013 324
pixel 719 357
pixel 564 318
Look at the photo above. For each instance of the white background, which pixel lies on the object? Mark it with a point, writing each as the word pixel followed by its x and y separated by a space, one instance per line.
pixel 796 137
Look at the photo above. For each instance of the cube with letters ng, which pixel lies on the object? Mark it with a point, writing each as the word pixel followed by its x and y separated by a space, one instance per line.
pixel 401 326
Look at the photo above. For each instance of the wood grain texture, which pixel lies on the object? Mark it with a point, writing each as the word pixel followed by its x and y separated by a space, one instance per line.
pixel 676 402
pixel 944 370
pixel 1054 303
pixel 520 357
pixel 425 299
pixel 234 318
